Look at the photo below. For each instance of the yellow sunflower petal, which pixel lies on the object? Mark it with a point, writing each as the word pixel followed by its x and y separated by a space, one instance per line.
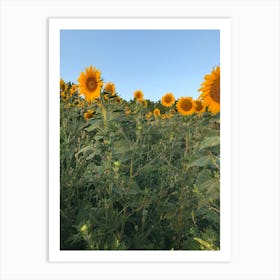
pixel 156 112
pixel 90 84
pixel 210 91
pixel 138 95
pixel 168 99
pixel 185 106
pixel 110 88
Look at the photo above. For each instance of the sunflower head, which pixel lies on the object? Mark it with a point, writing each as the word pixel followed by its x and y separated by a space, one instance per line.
pixel 73 89
pixel 88 114
pixel 118 99
pixel 90 84
pixel 138 95
pixel 62 82
pixel 63 85
pixel 77 103
pixel 168 99
pixel 157 112
pixel 199 107
pixel 185 106
pixel 64 95
pixel 127 111
pixel 210 91
pixel 148 115
pixel 144 103
pixel 110 88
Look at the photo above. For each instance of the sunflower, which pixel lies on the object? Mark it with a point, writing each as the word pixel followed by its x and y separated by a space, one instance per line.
pixel 73 89
pixel 210 91
pixel 64 95
pixel 168 99
pixel 127 111
pixel 62 82
pixel 148 115
pixel 185 106
pixel 88 114
pixel 90 83
pixel 156 112
pixel 144 103
pixel 68 105
pixel 138 95
pixel 118 99
pixel 110 88
pixel 63 86
pixel 199 108
pixel 77 103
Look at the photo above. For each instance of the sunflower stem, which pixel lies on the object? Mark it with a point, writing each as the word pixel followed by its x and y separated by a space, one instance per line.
pixel 103 109
pixel 104 113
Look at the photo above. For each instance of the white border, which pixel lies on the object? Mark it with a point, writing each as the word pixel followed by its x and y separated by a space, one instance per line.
pixel 224 254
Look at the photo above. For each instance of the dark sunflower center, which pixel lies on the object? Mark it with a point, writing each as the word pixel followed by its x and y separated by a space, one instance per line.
pixel 198 106
pixel 168 99
pixel 138 95
pixel 91 84
pixel 215 91
pixel 186 105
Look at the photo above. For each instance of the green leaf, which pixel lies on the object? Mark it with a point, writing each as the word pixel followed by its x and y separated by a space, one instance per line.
pixel 210 142
pixel 84 150
pixel 205 244
pixel 93 126
pixel 133 187
pixel 202 177
pixel 202 161
pixel 207 183
pixel 122 147
pixel 91 156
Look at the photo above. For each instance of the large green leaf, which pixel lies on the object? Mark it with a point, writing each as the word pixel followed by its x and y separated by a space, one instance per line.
pixel 133 187
pixel 93 126
pixel 207 183
pixel 210 142
pixel 200 162
pixel 86 150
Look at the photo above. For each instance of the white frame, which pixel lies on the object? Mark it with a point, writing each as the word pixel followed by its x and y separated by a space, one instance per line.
pixel 222 24
pixel 24 139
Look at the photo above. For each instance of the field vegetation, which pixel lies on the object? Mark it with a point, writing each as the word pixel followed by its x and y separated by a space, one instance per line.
pixel 139 174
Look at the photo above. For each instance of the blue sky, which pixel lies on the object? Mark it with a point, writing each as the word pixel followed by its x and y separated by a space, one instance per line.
pixel 155 61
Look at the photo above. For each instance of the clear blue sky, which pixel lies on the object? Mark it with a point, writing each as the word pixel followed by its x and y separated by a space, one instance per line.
pixel 155 61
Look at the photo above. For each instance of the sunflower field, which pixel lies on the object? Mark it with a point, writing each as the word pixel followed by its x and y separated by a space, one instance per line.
pixel 139 174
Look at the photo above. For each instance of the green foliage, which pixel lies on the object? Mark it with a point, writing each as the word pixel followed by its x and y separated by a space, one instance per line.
pixel 127 183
